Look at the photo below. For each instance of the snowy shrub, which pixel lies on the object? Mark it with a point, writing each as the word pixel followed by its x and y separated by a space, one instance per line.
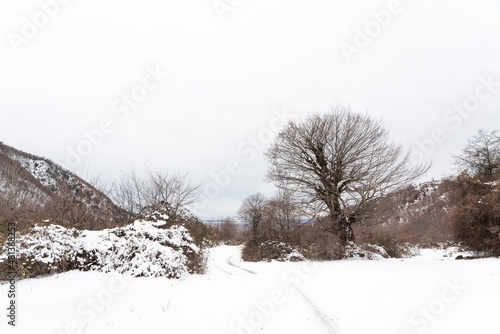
pixel 141 249
pixel 325 247
pixel 271 250
pixel 365 251
pixel 387 246
pixel 388 249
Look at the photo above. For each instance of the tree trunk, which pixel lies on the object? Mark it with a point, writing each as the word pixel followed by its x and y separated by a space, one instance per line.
pixel 341 224
pixel 346 233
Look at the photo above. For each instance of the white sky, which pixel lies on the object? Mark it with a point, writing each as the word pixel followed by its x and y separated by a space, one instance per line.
pixel 227 78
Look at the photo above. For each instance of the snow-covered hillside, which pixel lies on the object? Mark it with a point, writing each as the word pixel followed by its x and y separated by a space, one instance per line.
pixel 42 180
pixel 407 204
pixel 431 293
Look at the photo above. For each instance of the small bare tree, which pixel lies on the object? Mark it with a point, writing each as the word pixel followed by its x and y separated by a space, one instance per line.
pixel 129 194
pixel 251 212
pixel 228 231
pixel 174 190
pixel 481 156
pixel 338 163
pixel 282 214
pixel 157 191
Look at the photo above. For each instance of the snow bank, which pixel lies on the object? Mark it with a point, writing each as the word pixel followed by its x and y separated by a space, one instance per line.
pixel 142 249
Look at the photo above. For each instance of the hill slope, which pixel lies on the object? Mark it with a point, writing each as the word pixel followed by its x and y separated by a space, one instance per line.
pixel 417 213
pixel 37 183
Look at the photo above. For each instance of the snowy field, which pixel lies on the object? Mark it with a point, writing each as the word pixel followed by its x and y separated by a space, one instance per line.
pixel 431 293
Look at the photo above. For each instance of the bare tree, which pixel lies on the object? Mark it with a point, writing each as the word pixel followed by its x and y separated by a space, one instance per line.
pixel 481 156
pixel 174 190
pixel 282 214
pixel 251 212
pixel 129 194
pixel 228 231
pixel 338 163
pixel 155 192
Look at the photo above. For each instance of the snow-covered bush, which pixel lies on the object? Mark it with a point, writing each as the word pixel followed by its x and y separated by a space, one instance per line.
pixel 325 246
pixel 365 251
pixel 144 248
pixel 379 251
pixel 387 246
pixel 271 250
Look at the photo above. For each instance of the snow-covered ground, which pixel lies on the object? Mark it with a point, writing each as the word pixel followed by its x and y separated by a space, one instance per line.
pixel 432 293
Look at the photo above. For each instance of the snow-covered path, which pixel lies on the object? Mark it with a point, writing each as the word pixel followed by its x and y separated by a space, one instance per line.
pixel 427 294
pixel 268 315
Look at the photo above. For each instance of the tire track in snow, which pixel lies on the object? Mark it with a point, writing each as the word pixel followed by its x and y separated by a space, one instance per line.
pixel 218 263
pixel 327 322
pixel 223 270
pixel 231 263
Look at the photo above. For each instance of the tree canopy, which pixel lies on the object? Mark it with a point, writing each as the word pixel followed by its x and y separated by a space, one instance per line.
pixel 339 162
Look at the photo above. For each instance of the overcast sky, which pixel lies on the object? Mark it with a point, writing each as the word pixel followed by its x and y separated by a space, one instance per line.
pixel 202 85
